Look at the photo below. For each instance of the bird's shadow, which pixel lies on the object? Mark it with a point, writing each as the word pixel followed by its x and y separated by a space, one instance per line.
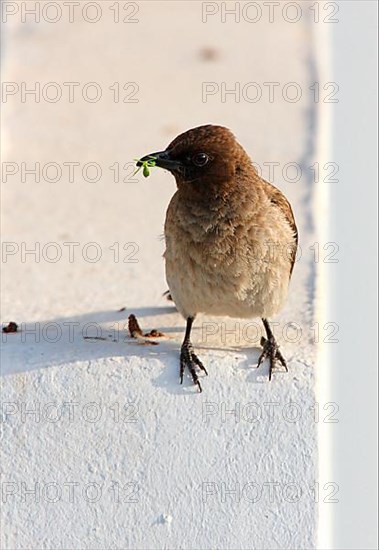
pixel 86 337
pixel 104 334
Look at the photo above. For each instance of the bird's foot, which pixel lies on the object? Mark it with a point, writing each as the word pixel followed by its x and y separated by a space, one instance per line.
pixel 189 359
pixel 272 352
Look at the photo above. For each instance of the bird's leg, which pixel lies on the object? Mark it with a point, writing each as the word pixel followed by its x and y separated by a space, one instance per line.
pixel 188 358
pixel 270 350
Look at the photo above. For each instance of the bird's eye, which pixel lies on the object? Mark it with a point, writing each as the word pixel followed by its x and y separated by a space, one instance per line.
pixel 200 159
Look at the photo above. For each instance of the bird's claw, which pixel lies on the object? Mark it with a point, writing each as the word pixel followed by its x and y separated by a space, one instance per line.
pixel 189 359
pixel 272 352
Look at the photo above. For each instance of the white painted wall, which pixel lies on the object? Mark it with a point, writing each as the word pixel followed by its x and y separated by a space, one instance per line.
pixel 163 457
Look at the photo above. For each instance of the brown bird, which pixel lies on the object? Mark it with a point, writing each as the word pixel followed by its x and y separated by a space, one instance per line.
pixel 231 237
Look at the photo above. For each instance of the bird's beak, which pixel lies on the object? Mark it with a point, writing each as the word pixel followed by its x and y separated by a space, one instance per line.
pixel 163 160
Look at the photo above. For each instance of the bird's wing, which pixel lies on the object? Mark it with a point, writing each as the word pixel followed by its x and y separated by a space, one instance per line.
pixel 277 198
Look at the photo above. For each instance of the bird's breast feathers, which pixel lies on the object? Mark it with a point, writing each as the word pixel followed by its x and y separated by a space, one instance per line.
pixel 223 262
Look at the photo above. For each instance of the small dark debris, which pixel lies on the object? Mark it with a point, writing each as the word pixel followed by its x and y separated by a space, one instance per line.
pixel 154 334
pixel 122 309
pixel 135 331
pixel 94 338
pixel 209 54
pixel 133 326
pixel 11 327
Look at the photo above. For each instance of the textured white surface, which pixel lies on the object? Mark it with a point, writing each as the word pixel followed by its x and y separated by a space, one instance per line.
pixel 173 453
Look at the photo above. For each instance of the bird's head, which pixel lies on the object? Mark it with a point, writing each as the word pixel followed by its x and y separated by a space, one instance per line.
pixel 203 158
